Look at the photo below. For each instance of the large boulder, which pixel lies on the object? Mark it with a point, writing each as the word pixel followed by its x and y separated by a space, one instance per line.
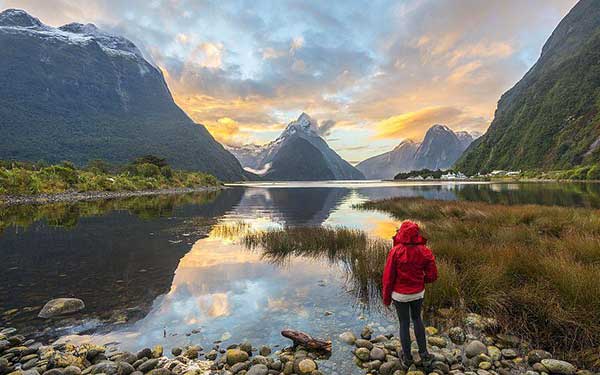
pixel 61 306
pixel 474 348
pixel 558 367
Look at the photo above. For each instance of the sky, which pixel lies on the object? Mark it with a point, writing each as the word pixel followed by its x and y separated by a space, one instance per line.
pixel 371 72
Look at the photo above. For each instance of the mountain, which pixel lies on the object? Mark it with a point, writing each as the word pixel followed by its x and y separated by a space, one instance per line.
pixel 312 160
pixel 550 118
pixel 78 93
pixel 440 148
pixel 387 165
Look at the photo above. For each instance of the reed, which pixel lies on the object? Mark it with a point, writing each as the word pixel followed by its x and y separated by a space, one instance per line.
pixel 534 268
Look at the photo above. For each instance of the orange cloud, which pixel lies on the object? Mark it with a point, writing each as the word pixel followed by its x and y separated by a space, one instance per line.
pixel 414 124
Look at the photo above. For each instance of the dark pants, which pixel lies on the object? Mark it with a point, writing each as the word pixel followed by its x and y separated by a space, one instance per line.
pixel 406 311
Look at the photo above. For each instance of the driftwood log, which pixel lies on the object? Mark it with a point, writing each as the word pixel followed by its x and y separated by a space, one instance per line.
pixel 301 338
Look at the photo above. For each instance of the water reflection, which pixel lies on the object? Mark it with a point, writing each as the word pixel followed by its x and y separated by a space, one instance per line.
pixel 116 255
pixel 147 261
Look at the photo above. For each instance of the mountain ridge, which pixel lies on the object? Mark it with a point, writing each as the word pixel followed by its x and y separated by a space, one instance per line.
pixel 440 148
pixel 259 159
pixel 549 119
pixel 77 93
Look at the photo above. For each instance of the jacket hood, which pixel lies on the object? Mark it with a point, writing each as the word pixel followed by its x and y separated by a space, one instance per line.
pixel 409 234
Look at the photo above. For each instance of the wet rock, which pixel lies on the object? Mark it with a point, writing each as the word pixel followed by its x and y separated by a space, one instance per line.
pixel 509 353
pixel 247 347
pixel 366 333
pixel 29 364
pixel 348 338
pixel 176 351
pixel 363 354
pixel 212 355
pixel 148 365
pixel 160 371
pixel 362 343
pixel 558 367
pixel 377 354
pixel 494 353
pixel 475 348
pixel 124 368
pixel 264 350
pixel 125 357
pixel 234 356
pixel 306 366
pixel 54 371
pixel 105 367
pixel 537 355
pixel 240 366
pixel 485 365
pixel 157 351
pixel 388 368
pixel 61 306
pixel 72 370
pixel 192 352
pixel 539 367
pixel 440 342
pixel 258 369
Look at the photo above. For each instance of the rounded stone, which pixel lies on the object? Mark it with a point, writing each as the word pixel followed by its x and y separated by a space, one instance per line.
pixel 148 365
pixel 348 338
pixel 234 356
pixel 475 348
pixel 247 347
pixel 377 354
pixel 362 343
pixel 258 369
pixel 558 367
pixel 440 342
pixel 363 354
pixel 306 366
pixel 61 306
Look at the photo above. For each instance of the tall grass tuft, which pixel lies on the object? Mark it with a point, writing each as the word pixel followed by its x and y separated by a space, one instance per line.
pixel 534 268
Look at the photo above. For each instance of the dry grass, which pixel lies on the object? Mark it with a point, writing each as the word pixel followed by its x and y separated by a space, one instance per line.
pixel 536 269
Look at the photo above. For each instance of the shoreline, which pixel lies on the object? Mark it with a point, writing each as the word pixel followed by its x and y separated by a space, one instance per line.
pixel 75 196
pixel 460 345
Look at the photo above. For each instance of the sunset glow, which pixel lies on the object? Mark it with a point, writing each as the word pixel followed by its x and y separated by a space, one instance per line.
pixel 384 73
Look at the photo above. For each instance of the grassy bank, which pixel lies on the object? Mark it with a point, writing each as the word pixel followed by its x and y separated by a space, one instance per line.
pixel 148 173
pixel 533 268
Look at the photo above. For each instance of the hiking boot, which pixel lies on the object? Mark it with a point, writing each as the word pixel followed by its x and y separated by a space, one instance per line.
pixel 407 361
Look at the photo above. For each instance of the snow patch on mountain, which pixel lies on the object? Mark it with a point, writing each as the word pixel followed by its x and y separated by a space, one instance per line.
pixel 18 21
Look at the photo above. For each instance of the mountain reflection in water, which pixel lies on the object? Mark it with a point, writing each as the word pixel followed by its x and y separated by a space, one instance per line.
pixel 168 263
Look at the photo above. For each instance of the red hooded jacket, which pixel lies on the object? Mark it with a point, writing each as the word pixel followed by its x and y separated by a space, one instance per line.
pixel 410 264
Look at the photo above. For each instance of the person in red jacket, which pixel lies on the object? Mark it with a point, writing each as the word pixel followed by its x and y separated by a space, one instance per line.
pixel 410 265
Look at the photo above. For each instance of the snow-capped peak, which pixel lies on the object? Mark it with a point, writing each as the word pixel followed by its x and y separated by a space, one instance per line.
pixel 440 128
pixel 79 28
pixel 19 21
pixel 18 18
pixel 304 124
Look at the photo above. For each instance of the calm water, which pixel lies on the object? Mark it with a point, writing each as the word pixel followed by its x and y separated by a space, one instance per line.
pixel 161 270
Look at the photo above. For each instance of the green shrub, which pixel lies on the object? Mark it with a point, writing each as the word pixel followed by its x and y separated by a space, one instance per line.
pixel 594 173
pixel 147 170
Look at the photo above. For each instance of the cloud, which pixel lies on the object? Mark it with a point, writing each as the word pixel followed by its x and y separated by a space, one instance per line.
pixel 414 124
pixel 325 127
pixel 385 73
